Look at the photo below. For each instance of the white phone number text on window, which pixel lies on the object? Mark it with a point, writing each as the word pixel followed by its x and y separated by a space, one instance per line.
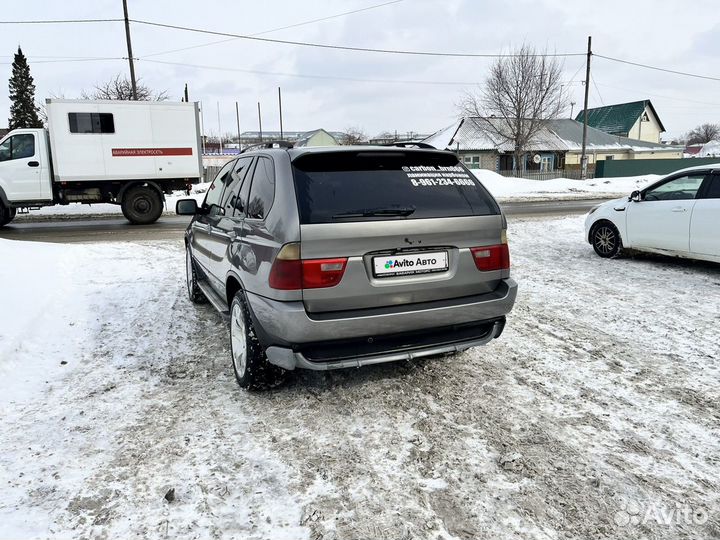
pixel 441 182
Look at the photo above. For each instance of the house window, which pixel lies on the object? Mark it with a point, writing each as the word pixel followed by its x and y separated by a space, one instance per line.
pixel 546 163
pixel 472 162
pixel 91 123
pixel 608 158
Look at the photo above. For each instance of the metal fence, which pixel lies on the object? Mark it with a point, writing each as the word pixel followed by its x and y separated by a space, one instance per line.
pixel 546 175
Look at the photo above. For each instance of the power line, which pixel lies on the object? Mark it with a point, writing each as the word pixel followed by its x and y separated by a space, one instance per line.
pixel 684 100
pixel 337 15
pixel 329 17
pixel 63 21
pixel 597 90
pixel 305 76
pixel 342 47
pixel 658 68
pixel 65 60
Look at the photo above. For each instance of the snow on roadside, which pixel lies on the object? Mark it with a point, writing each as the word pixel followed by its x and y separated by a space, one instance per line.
pixel 515 189
pixel 197 193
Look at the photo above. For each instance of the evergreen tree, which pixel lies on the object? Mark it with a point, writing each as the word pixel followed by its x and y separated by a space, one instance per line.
pixel 23 111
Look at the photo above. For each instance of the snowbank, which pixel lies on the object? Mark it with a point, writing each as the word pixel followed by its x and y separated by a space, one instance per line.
pixel 197 193
pixel 514 189
pixel 711 149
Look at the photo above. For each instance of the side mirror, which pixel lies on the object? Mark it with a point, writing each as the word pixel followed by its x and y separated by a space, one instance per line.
pixel 635 196
pixel 186 207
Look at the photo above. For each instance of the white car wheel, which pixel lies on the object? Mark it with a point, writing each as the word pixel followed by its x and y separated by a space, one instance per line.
pixel 238 340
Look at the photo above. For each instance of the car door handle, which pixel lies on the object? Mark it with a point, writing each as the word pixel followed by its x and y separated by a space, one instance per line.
pixel 33 164
pixel 679 209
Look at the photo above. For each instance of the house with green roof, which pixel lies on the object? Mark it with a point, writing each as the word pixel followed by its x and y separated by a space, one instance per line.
pixel 557 146
pixel 637 120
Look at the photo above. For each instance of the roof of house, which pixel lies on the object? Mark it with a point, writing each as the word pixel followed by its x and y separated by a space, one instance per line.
pixel 305 137
pixel 557 135
pixel 287 135
pixel 618 118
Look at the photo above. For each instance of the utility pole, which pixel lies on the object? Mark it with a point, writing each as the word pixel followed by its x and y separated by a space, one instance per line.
pixel 130 54
pixel 187 98
pixel 237 118
pixel 260 122
pixel 202 128
pixel 280 105
pixel 583 156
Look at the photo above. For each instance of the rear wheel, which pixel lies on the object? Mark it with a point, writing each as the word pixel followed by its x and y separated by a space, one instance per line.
pixel 142 205
pixel 606 240
pixel 251 367
pixel 196 295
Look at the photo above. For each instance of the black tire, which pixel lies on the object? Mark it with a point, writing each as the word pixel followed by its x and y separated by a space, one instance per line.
pixel 606 240
pixel 194 292
pixel 250 364
pixel 6 215
pixel 142 205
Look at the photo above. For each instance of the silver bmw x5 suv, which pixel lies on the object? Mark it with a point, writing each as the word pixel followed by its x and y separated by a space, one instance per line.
pixel 336 257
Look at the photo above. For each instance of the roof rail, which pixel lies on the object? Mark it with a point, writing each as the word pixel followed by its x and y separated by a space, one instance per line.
pixel 410 144
pixel 268 144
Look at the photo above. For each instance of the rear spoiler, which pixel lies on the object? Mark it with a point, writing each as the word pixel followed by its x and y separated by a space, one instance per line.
pixel 410 144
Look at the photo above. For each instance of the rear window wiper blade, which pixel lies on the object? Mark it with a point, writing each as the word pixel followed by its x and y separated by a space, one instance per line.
pixel 373 212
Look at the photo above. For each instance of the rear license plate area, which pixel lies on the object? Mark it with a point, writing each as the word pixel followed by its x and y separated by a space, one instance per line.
pixel 410 264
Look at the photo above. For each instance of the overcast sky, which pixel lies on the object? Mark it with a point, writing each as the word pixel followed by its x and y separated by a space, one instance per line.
pixel 676 35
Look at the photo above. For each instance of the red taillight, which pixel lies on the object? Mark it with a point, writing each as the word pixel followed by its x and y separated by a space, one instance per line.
pixel 489 258
pixel 290 273
pixel 319 273
pixel 286 275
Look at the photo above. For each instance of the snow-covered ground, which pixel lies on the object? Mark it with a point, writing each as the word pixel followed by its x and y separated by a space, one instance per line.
pixel 89 210
pixel 514 189
pixel 595 415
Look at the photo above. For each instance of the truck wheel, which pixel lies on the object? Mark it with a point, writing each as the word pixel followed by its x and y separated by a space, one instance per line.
pixel 196 295
pixel 251 367
pixel 142 205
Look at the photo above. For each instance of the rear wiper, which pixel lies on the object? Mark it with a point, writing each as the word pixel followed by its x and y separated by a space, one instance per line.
pixel 373 212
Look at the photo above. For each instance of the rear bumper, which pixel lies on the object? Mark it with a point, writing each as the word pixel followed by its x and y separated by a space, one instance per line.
pixel 289 332
pixel 290 359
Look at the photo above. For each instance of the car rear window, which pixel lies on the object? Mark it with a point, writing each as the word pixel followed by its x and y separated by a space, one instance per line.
pixel 344 186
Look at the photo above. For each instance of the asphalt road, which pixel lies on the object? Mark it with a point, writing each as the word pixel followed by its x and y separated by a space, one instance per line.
pixel 68 229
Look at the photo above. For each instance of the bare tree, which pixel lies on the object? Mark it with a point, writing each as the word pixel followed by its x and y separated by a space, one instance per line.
pixel 353 135
pixel 522 90
pixel 704 133
pixel 120 88
pixel 42 109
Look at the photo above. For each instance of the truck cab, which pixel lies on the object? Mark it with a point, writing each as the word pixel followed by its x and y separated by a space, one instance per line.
pixel 25 167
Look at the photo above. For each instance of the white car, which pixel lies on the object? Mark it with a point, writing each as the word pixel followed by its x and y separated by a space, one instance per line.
pixel 678 215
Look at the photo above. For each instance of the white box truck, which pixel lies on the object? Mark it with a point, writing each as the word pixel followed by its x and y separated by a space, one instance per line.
pixel 129 153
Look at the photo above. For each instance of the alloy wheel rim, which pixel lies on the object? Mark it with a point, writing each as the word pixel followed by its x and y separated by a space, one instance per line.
pixel 189 271
pixel 605 240
pixel 238 340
